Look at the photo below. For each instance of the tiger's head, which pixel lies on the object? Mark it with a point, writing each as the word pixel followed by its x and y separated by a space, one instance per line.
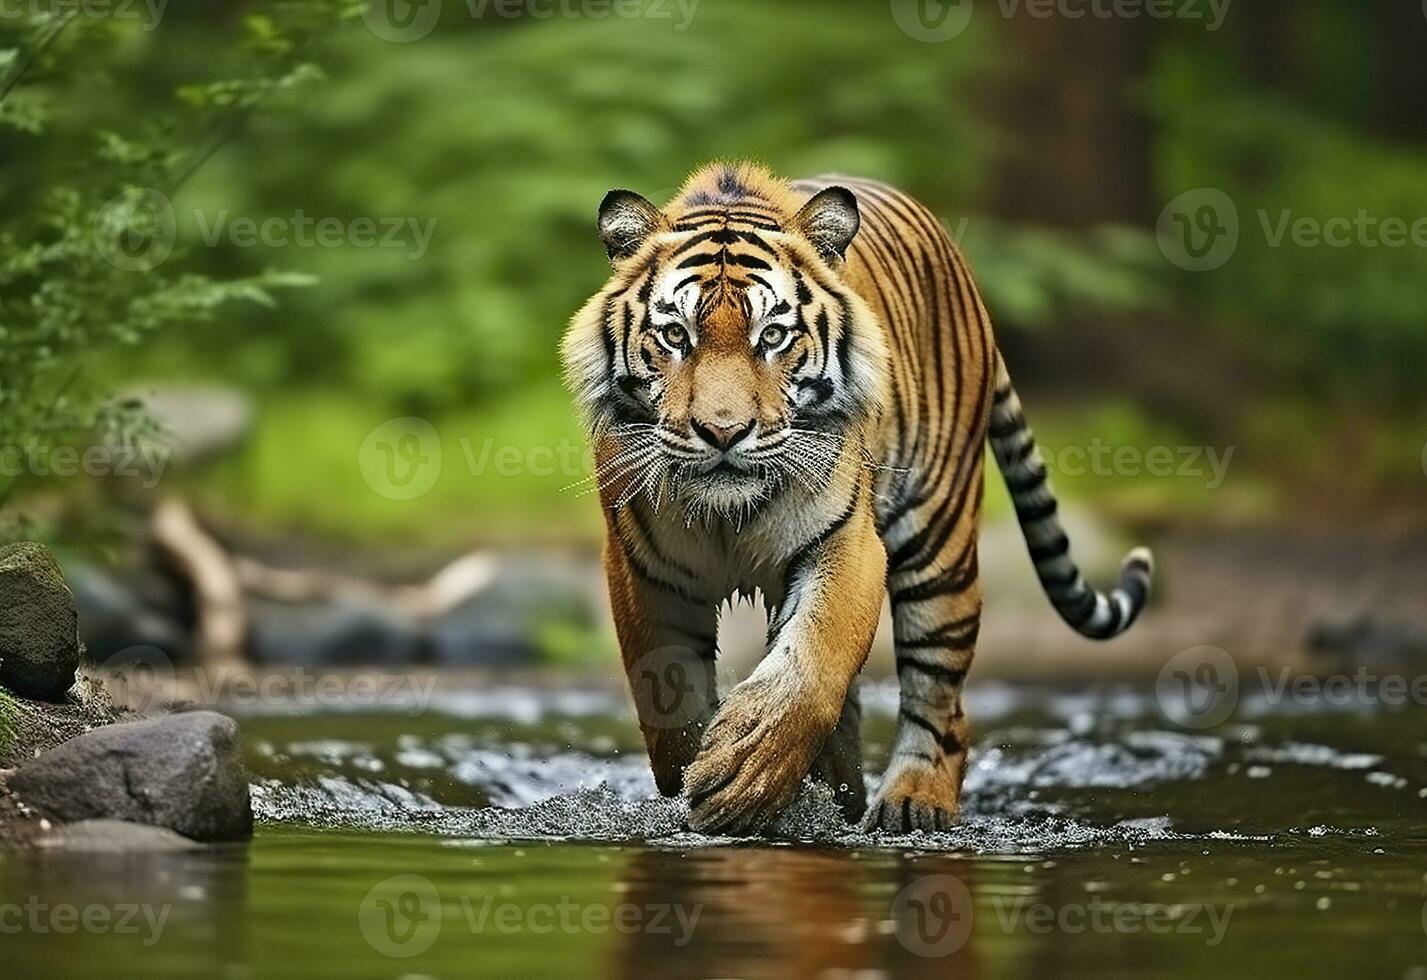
pixel 727 359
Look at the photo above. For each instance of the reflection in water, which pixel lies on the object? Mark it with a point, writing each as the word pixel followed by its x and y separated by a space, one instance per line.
pixel 793 913
pixel 134 908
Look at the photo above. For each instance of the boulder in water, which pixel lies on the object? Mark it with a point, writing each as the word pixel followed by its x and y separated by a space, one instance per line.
pixel 183 772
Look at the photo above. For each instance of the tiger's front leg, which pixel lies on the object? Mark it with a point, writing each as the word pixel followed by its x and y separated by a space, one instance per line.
pixel 765 737
pixel 668 640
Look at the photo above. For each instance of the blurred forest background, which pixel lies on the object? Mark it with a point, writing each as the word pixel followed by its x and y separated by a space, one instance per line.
pixel 1051 146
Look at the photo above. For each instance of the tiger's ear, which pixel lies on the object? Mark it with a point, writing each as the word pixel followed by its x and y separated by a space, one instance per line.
pixel 626 222
pixel 830 221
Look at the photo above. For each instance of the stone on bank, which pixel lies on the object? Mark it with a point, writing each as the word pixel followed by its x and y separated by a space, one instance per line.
pixel 182 772
pixel 39 628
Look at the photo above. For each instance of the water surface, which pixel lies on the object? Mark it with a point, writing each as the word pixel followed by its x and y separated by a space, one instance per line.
pixel 516 832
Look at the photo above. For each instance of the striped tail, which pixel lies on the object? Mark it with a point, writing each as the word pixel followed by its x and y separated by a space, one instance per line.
pixel 1088 611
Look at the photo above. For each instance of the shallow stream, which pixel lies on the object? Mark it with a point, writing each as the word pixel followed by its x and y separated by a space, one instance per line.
pixel 515 832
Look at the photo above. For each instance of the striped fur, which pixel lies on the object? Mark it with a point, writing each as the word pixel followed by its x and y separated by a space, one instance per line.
pixel 788 387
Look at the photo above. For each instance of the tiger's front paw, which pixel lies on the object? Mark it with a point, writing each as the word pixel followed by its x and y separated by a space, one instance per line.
pixel 914 799
pixel 754 756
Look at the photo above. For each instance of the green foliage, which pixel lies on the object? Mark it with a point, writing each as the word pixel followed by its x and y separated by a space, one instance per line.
pixel 506 135
pixel 1035 276
pixel 501 134
pixel 512 472
pixel 86 225
pixel 1347 317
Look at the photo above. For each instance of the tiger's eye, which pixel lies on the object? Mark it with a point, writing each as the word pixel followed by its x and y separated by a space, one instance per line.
pixel 772 337
pixel 675 335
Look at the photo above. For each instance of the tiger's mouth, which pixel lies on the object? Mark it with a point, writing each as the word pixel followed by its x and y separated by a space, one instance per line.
pixel 727 468
pixel 727 488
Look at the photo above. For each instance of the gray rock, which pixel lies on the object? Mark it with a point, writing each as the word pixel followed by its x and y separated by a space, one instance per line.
pixel 183 772
pixel 39 631
pixel 113 837
pixel 120 614
pixel 330 634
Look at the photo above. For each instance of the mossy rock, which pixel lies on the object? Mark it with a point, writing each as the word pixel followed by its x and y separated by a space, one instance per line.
pixel 9 721
pixel 39 627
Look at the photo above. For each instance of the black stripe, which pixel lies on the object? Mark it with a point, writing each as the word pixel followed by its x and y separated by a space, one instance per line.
pixel 1062 582
pixel 1006 426
pixel 705 258
pixel 808 551
pixel 643 572
pixel 750 262
pixel 647 533
pixel 844 344
pixel 718 235
pixel 1024 481
pixel 1030 513
pixel 1020 454
pixel 948 742
pixel 1051 550
pixel 951 581
pixel 945 674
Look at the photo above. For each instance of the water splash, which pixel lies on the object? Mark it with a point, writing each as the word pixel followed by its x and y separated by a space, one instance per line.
pixel 1065 772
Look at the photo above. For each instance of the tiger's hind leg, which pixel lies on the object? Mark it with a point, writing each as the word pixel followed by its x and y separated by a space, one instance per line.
pixel 936 616
pixel 839 764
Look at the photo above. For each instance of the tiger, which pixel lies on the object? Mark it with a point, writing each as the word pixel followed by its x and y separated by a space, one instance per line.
pixel 788 387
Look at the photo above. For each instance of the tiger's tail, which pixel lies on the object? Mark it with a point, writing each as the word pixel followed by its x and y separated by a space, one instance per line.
pixel 1089 611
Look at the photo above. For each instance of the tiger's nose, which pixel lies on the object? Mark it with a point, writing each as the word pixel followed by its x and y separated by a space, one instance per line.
pixel 721 436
